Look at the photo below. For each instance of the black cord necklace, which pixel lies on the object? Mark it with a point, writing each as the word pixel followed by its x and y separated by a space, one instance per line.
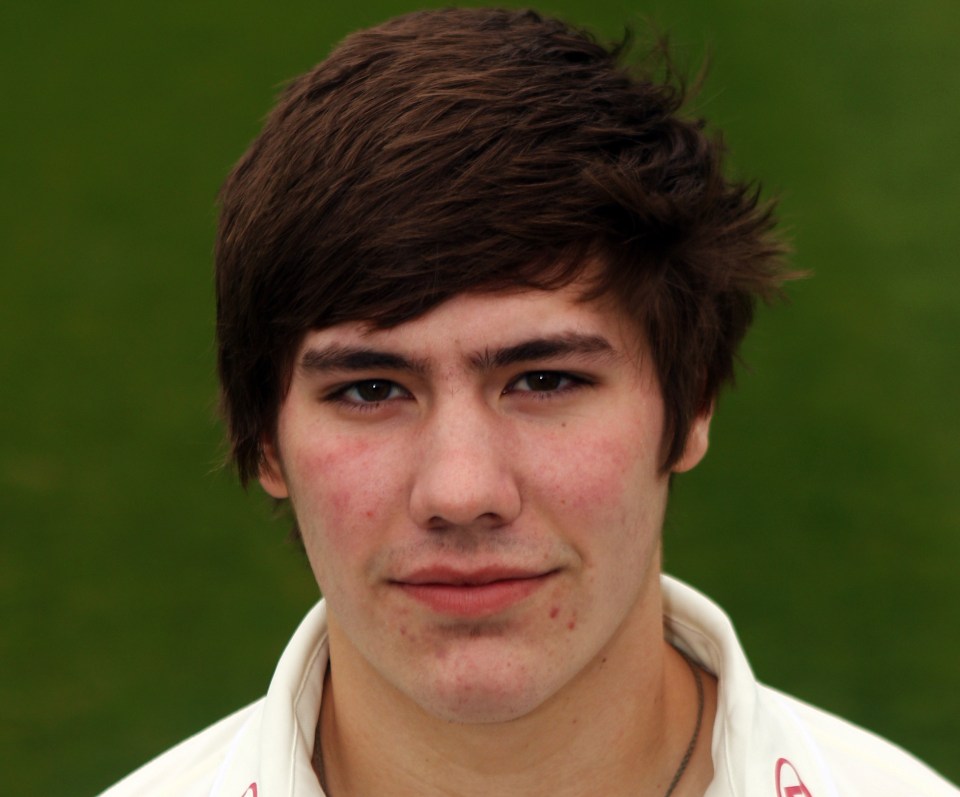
pixel 685 761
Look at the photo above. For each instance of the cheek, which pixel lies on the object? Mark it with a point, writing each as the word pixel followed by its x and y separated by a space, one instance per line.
pixel 603 475
pixel 341 492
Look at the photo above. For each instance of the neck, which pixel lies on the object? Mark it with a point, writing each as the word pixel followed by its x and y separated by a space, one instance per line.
pixel 620 728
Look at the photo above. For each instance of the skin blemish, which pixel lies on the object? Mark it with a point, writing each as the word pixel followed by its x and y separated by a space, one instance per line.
pixel 572 624
pixel 554 612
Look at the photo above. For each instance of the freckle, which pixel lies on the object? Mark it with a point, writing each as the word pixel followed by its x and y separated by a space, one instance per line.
pixel 554 612
pixel 403 630
pixel 572 624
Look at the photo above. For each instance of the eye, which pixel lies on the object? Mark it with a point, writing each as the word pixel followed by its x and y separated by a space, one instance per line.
pixel 544 382
pixel 370 391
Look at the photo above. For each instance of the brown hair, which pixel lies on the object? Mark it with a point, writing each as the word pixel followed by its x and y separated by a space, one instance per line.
pixel 465 150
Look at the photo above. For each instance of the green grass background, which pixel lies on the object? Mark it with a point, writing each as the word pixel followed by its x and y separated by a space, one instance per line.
pixel 142 595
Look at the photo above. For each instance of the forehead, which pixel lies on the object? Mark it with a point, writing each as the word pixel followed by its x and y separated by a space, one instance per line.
pixel 476 322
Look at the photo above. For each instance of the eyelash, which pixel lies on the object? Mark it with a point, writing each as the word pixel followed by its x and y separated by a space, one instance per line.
pixel 567 382
pixel 340 394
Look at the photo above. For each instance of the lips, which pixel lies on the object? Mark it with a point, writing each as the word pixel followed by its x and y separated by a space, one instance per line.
pixel 474 593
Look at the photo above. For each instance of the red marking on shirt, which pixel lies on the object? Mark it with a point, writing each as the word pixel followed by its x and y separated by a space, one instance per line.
pixel 789 783
pixel 251 791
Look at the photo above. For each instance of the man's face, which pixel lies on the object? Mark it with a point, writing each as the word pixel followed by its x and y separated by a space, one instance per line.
pixel 479 495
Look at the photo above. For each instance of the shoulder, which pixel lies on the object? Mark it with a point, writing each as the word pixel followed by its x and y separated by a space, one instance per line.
pixel 764 739
pixel 252 749
pixel 856 760
pixel 191 767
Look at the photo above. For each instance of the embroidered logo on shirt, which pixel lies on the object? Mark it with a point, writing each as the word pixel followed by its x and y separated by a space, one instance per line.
pixel 251 791
pixel 789 783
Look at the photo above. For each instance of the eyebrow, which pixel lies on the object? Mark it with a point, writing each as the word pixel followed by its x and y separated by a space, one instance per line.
pixel 569 343
pixel 357 358
pixel 338 357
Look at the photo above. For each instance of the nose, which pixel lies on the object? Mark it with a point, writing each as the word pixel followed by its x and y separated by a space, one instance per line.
pixel 464 476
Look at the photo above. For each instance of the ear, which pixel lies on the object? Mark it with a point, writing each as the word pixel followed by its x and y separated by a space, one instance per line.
pixel 271 476
pixel 698 441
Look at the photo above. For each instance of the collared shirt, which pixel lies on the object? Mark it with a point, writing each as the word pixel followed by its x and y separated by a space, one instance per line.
pixel 765 744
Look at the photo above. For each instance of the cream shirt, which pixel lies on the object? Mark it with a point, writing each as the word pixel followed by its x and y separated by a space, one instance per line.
pixel 765 744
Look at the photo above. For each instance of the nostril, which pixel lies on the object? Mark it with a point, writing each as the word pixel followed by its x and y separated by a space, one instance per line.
pixel 486 521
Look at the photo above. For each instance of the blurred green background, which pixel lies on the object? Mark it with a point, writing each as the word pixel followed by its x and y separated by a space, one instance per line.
pixel 143 595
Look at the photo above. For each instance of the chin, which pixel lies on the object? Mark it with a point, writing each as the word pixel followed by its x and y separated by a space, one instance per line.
pixel 481 707
pixel 477 692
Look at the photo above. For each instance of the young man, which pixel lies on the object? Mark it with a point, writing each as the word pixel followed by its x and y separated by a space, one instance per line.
pixel 478 288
